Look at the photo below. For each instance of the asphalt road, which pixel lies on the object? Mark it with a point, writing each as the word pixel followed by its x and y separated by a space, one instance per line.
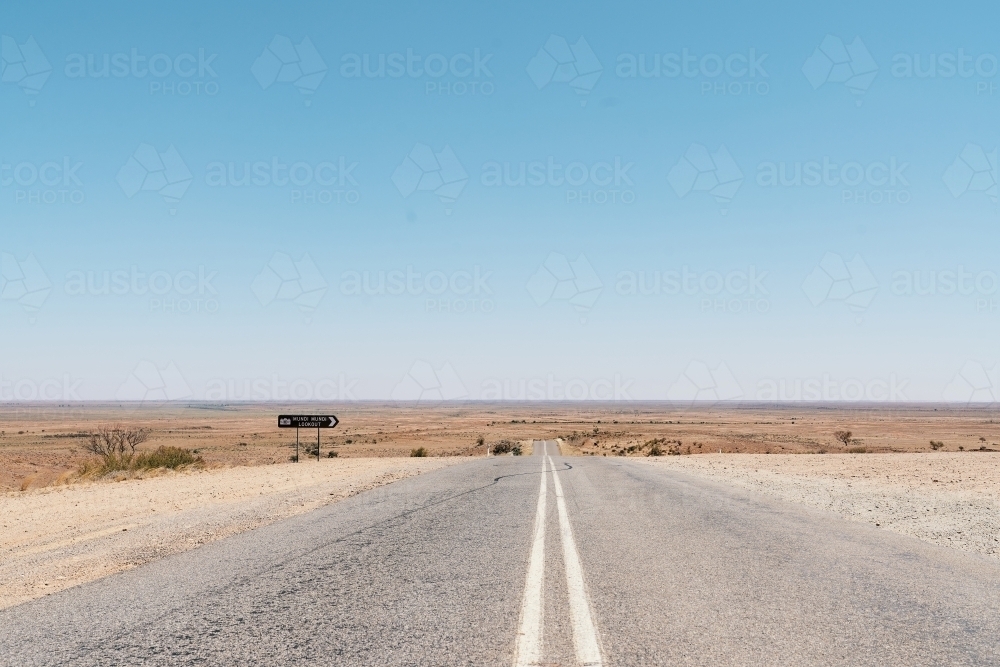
pixel 617 563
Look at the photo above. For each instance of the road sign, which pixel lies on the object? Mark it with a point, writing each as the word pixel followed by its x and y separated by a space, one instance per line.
pixel 307 421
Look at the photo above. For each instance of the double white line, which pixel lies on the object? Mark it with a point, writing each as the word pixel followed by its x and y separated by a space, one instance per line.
pixel 529 638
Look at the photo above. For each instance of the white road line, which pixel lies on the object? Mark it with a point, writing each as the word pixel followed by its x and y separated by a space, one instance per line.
pixel 588 649
pixel 529 636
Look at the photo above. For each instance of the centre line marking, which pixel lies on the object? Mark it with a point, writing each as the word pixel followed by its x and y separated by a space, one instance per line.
pixel 529 636
pixel 588 650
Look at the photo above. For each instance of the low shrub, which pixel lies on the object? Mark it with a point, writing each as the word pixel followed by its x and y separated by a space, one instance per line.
pixel 506 447
pixel 661 447
pixel 166 457
pixel 418 452
pixel 857 450
pixel 161 457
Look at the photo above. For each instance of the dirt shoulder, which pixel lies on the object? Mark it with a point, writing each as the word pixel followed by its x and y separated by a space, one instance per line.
pixel 58 537
pixel 950 499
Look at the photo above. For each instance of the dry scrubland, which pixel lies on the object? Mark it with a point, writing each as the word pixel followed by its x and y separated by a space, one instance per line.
pixel 951 499
pixel 43 444
pixel 58 529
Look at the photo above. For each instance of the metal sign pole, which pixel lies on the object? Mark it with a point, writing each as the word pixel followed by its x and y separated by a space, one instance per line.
pixel 296 444
pixel 317 443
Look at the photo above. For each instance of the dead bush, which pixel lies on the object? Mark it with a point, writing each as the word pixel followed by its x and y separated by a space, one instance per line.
pixel 116 445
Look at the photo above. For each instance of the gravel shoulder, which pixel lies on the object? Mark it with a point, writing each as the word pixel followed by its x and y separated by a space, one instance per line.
pixel 946 498
pixel 58 537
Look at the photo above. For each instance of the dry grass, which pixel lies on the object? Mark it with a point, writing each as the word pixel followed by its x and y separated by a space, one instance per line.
pixel 172 458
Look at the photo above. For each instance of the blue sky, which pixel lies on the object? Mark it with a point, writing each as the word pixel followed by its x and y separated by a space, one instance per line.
pixel 671 181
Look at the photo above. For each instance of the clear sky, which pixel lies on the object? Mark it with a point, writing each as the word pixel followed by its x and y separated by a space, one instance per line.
pixel 623 201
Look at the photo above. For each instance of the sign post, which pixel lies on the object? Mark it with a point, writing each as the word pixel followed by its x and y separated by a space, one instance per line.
pixel 307 421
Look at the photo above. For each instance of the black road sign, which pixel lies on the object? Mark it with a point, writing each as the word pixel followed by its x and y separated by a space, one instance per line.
pixel 307 421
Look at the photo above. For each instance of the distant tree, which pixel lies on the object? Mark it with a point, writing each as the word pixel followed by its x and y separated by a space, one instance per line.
pixel 844 437
pixel 936 445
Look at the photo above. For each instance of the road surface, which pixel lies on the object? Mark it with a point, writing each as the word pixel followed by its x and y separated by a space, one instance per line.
pixel 597 561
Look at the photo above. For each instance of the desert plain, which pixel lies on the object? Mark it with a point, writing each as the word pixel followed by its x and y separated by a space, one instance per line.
pixel 58 529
